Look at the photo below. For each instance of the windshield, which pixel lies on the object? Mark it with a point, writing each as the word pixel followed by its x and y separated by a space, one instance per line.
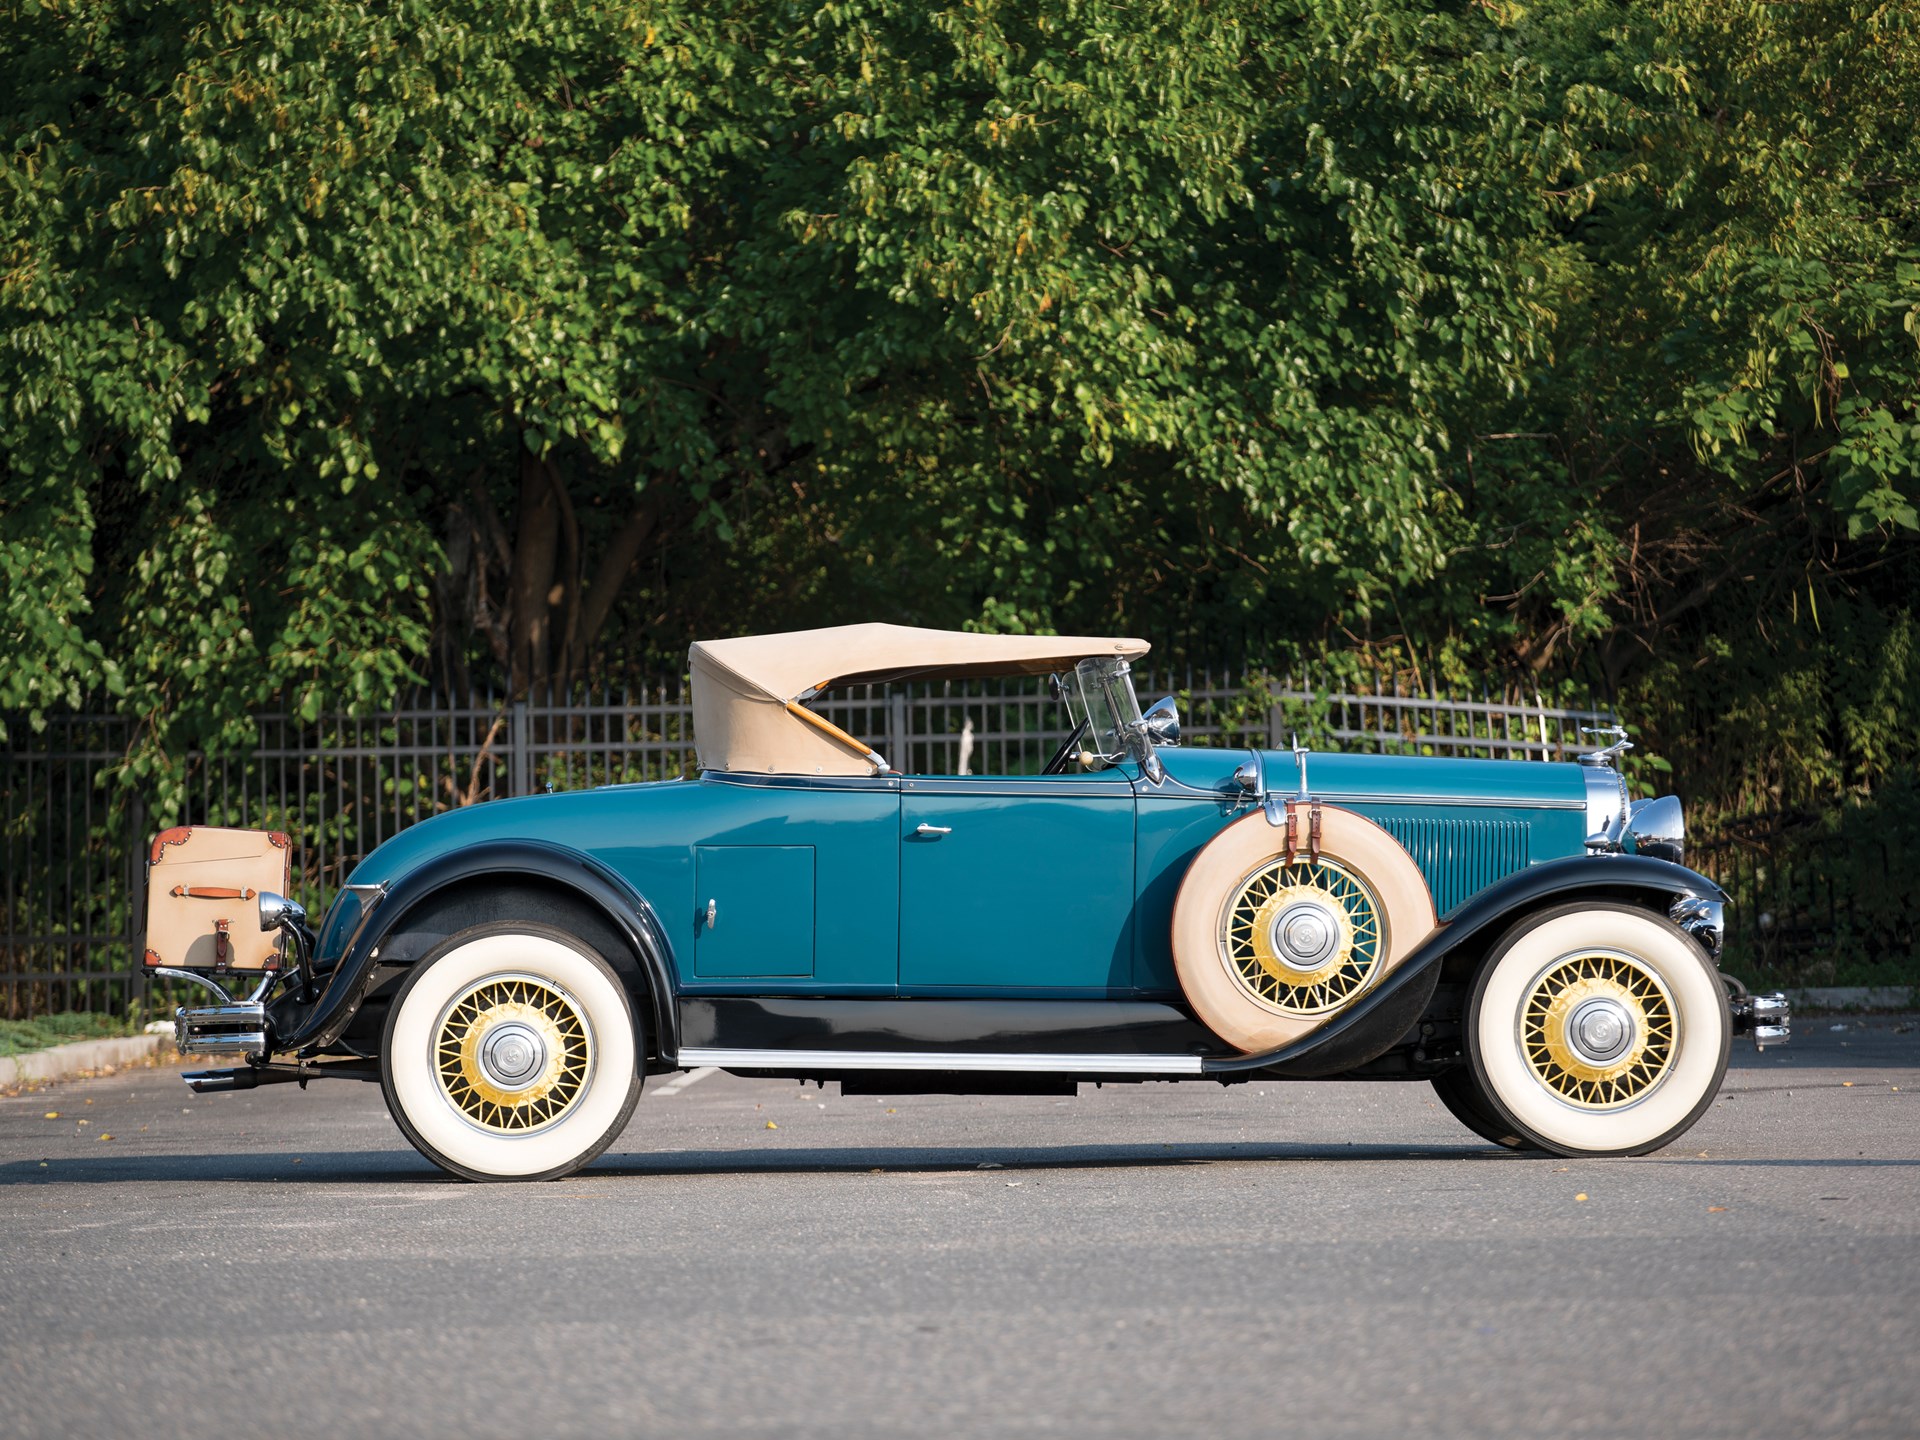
pixel 1100 692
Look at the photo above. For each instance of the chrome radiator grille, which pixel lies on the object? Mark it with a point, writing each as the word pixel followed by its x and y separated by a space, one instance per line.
pixel 1460 858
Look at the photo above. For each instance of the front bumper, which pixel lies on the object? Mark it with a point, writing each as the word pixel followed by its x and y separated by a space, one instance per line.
pixel 1766 1018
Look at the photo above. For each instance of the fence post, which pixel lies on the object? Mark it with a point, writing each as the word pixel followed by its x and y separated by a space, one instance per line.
pixel 518 766
pixel 136 900
pixel 897 732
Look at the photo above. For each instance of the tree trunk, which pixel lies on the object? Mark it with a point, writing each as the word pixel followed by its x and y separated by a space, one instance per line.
pixel 531 583
pixel 565 595
pixel 616 563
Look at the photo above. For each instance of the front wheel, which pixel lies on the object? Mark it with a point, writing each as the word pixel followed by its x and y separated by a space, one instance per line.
pixel 1466 1102
pixel 1598 1029
pixel 510 1054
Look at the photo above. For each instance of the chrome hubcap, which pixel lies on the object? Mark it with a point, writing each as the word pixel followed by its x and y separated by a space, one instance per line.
pixel 1600 1030
pixel 513 1056
pixel 1304 936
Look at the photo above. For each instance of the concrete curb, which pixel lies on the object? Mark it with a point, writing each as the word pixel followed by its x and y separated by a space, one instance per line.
pixel 1856 997
pixel 64 1061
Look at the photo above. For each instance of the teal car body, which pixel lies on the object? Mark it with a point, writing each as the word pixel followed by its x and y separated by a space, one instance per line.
pixel 1521 934
pixel 1054 886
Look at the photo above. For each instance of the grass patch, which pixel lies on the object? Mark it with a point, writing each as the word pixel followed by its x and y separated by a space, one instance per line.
pixel 43 1032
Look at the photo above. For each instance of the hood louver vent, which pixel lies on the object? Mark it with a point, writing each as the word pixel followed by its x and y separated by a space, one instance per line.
pixel 1460 858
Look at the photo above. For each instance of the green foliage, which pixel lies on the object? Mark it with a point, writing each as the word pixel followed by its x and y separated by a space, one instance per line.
pixel 43 1032
pixel 1557 347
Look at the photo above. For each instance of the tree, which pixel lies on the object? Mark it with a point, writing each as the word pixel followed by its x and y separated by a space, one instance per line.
pixel 351 349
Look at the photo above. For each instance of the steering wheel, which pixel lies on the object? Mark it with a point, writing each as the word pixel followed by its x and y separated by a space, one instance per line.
pixel 1069 748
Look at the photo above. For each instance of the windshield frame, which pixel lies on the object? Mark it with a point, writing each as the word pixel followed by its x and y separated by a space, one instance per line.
pixel 1103 686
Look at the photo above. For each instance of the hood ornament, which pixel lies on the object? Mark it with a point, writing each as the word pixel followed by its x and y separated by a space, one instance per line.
pixel 1610 755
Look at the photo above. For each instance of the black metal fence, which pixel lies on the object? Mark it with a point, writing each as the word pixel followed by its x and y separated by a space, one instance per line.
pixel 73 847
pixel 1818 898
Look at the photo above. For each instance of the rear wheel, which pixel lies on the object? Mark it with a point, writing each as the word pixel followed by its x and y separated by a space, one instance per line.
pixel 510 1054
pixel 1598 1029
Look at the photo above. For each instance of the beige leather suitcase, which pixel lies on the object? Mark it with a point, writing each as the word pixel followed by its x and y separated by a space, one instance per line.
pixel 203 897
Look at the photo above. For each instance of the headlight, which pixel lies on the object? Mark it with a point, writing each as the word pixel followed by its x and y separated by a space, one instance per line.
pixel 1658 828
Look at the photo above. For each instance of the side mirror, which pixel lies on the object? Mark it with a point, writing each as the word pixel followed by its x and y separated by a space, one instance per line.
pixel 1163 721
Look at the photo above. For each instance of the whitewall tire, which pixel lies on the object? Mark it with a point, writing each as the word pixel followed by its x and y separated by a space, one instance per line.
pixel 1598 1028
pixel 511 1054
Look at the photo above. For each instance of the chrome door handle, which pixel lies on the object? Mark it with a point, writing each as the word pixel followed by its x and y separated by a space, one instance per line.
pixel 713 914
pixel 933 829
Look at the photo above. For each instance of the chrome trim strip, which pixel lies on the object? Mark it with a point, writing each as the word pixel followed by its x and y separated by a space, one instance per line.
pixel 1034 785
pixel 1078 786
pixel 691 1057
pixel 1351 797
pixel 1493 803
pixel 745 778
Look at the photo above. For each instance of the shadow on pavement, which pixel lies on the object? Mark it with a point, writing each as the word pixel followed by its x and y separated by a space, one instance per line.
pixel 378 1166
pixel 365 1166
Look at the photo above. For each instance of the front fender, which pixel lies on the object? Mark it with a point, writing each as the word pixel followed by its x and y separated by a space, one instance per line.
pixel 321 1024
pixel 1384 1016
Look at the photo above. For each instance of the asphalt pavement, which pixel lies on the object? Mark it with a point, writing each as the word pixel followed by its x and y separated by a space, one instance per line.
pixel 755 1258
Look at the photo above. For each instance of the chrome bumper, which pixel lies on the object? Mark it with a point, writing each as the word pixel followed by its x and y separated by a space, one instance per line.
pixel 1765 1018
pixel 240 1025
pixel 230 1025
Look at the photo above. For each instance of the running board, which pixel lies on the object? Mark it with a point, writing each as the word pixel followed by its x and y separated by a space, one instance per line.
pixel 692 1057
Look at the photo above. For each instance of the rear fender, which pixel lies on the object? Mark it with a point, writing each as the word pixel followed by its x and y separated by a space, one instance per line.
pixel 584 880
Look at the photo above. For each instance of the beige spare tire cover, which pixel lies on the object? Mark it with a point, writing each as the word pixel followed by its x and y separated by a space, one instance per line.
pixel 1268 952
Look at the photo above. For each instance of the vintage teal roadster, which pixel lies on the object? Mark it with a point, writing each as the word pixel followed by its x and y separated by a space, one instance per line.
pixel 1519 934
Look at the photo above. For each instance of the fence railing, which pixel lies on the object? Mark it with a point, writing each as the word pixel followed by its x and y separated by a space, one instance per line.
pixel 73 842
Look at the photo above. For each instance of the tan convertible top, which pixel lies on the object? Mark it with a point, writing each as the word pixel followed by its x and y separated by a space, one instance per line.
pixel 747 692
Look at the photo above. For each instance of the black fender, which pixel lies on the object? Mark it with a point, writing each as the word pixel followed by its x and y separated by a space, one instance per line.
pixel 1385 1015
pixel 298 1027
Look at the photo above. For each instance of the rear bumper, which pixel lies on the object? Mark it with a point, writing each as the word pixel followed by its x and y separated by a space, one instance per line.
pixel 239 1025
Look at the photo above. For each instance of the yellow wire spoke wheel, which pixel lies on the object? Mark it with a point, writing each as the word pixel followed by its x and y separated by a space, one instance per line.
pixel 512 1054
pixel 1598 1030
pixel 1597 1027
pixel 1302 938
pixel 1269 951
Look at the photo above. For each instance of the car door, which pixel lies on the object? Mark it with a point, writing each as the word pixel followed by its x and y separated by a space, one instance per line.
pixel 1016 883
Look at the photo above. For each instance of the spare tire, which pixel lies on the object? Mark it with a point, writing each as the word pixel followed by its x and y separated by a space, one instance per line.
pixel 1268 949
